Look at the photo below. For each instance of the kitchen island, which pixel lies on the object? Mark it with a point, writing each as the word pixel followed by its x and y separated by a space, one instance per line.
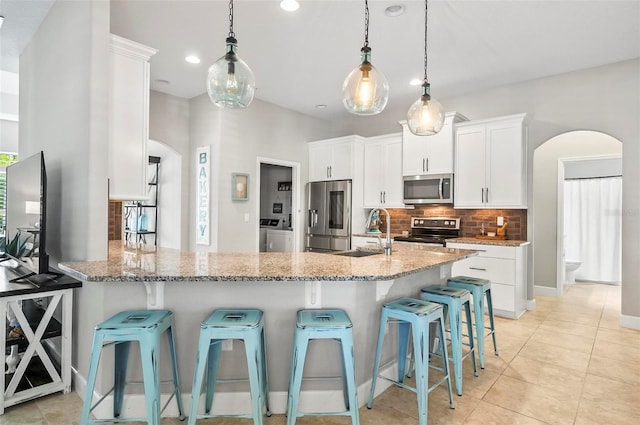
pixel 192 284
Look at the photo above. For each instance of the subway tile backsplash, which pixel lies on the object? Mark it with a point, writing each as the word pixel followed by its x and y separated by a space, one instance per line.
pixel 470 220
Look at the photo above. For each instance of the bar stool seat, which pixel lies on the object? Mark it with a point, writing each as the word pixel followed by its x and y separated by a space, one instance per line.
pixel 246 325
pixel 479 288
pixel 417 315
pixel 453 301
pixel 146 327
pixel 323 324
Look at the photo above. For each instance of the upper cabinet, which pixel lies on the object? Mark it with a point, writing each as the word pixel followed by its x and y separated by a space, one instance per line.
pixel 430 154
pixel 383 171
pixel 128 118
pixel 490 163
pixel 334 159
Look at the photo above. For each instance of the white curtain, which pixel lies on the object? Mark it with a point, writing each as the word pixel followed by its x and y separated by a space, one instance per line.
pixel 593 227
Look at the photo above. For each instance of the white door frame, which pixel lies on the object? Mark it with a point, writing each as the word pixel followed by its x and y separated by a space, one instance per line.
pixel 295 197
pixel 560 263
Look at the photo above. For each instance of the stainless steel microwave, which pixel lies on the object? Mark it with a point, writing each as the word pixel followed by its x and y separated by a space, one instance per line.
pixel 428 189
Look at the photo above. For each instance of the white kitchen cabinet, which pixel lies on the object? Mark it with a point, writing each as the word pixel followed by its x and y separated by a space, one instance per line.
pixel 429 154
pixel 279 240
pixel 128 119
pixel 490 163
pixel 383 171
pixel 505 267
pixel 370 242
pixel 334 159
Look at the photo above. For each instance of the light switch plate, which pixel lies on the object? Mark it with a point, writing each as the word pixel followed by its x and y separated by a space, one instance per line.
pixel 500 220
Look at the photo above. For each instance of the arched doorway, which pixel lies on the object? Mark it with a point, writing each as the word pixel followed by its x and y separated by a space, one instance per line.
pixel 548 232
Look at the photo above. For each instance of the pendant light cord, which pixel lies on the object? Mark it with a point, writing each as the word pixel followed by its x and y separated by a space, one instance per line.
pixel 426 8
pixel 231 33
pixel 366 23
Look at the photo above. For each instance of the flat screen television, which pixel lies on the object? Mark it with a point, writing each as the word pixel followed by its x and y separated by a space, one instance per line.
pixel 26 213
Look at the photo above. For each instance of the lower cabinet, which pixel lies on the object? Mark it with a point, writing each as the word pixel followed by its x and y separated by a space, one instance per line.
pixel 505 267
pixel 279 241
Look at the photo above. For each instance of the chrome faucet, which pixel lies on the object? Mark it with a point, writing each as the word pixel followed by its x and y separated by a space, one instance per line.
pixel 386 246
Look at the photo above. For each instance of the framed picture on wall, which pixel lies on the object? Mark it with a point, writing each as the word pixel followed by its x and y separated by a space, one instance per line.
pixel 277 208
pixel 239 187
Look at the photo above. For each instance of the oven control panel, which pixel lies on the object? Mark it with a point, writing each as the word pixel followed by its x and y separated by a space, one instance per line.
pixel 435 223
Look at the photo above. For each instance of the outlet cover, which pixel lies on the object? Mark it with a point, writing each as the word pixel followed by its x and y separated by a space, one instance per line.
pixel 500 221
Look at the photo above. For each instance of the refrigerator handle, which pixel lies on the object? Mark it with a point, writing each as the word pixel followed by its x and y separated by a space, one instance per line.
pixel 310 218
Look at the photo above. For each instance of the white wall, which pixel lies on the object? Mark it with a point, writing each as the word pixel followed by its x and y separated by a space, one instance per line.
pixel 237 138
pixel 168 229
pixel 545 193
pixel 169 124
pixel 63 99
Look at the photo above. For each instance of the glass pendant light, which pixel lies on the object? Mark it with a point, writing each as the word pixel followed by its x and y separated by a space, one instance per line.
pixel 426 116
pixel 365 91
pixel 230 82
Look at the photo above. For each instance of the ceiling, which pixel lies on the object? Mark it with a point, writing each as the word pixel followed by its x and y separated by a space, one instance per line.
pixel 301 58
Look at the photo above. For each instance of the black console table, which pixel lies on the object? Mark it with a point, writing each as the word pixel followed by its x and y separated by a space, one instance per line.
pixel 34 300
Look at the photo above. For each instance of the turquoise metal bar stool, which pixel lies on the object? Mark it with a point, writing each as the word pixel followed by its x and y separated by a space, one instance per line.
pixel 454 300
pixel 146 327
pixel 417 314
pixel 323 324
pixel 246 325
pixel 479 288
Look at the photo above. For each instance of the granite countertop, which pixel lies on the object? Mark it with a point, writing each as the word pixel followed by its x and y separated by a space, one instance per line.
pixel 497 242
pixel 162 264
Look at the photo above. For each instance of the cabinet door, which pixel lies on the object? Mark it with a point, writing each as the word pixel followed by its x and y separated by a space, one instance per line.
pixel 319 161
pixel 440 151
pixel 341 164
pixel 414 153
pixel 469 178
pixel 128 119
pixel 392 187
pixel 505 166
pixel 374 173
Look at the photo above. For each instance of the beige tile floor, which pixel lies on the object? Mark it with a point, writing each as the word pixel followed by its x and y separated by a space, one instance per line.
pixel 567 362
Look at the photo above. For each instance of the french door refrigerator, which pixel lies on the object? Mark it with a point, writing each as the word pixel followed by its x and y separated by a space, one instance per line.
pixel 328 216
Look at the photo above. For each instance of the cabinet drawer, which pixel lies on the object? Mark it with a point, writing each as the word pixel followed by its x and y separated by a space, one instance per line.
pixel 487 250
pixel 497 270
pixel 504 298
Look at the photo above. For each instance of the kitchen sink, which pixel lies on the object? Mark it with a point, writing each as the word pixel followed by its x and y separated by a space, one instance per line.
pixel 359 253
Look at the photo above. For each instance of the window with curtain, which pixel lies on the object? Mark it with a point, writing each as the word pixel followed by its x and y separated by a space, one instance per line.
pixel 593 227
pixel 6 159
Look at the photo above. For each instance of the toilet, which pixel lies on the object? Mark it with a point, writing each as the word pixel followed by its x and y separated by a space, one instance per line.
pixel 570 270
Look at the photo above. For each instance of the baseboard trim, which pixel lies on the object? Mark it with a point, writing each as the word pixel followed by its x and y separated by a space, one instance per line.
pixel 530 305
pixel 545 290
pixel 632 322
pixel 235 403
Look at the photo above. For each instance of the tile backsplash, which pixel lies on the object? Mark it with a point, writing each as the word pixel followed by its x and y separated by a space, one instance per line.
pixel 115 220
pixel 470 220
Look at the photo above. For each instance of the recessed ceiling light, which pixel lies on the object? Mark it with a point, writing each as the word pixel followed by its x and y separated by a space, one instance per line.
pixel 394 10
pixel 161 81
pixel 415 82
pixel 192 59
pixel 289 5
pixel 321 106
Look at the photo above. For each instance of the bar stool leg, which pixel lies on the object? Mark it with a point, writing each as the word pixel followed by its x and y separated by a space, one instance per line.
pixel 252 350
pixel 174 366
pixel 445 361
pixel 493 328
pixel 300 344
pixel 149 355
pixel 376 363
pixel 467 309
pixel 121 360
pixel 348 367
pixel 262 363
pixel 455 324
pixel 91 376
pixel 213 363
pixel 421 359
pixel 198 375
pixel 403 343
pixel 479 316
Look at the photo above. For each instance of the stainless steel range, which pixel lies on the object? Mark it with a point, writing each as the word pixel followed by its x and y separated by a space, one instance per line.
pixel 432 230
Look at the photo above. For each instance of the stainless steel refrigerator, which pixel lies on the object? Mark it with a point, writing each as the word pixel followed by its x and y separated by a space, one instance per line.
pixel 328 216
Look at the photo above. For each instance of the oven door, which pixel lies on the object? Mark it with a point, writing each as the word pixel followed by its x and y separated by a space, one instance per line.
pixel 428 189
